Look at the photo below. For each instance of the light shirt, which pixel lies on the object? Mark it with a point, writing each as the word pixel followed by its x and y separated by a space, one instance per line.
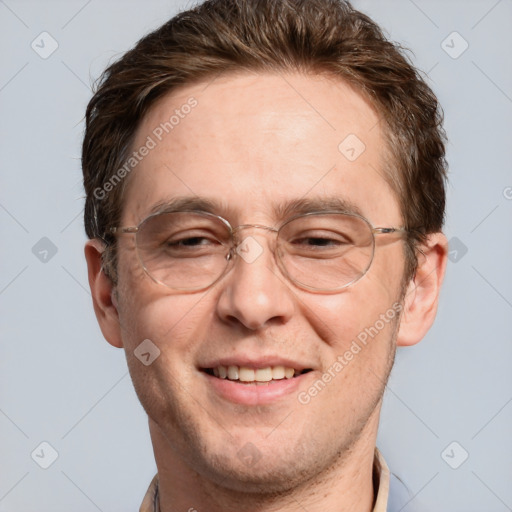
pixel 391 493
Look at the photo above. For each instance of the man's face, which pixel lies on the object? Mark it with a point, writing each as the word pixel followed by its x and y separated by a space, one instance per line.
pixel 253 144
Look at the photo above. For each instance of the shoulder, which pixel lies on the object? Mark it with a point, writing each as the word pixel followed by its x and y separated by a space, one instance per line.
pixel 399 495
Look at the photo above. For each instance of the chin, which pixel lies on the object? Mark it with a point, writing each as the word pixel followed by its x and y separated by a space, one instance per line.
pixel 275 469
pixel 262 478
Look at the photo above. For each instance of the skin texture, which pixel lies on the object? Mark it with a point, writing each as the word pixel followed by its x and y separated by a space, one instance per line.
pixel 253 143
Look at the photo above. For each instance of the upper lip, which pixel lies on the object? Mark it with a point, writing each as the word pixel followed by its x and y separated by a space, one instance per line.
pixel 256 362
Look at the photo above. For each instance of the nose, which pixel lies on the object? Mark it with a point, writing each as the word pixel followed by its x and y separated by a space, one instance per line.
pixel 254 294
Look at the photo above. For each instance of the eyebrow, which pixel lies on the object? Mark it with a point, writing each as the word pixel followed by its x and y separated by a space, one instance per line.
pixel 280 212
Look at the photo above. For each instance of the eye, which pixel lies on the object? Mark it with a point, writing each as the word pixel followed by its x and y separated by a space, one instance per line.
pixel 198 242
pixel 324 239
pixel 318 242
pixel 193 241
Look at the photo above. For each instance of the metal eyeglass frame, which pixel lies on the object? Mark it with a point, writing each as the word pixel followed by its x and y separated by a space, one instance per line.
pixel 234 245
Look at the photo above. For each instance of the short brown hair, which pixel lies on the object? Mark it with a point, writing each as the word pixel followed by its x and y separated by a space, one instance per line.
pixel 308 36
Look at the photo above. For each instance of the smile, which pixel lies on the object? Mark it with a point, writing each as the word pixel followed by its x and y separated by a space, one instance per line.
pixel 246 375
pixel 256 384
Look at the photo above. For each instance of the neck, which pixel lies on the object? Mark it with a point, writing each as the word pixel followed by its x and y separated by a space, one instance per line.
pixel 346 486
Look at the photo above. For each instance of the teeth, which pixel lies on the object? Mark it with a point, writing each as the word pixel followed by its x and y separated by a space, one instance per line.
pixel 263 374
pixel 233 372
pixel 288 372
pixel 245 374
pixel 278 372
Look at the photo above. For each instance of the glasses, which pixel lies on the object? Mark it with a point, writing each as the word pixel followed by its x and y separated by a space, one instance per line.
pixel 192 250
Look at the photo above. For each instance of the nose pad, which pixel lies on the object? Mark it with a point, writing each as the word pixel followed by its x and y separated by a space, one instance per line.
pixel 248 248
pixel 254 294
pixel 244 251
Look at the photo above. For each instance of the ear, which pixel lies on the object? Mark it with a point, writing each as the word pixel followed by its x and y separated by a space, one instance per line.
pixel 103 294
pixel 422 296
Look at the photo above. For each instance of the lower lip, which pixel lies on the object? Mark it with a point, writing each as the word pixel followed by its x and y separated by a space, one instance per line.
pixel 255 394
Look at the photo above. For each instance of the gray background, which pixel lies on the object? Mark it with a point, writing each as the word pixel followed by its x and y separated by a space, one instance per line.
pixel 63 384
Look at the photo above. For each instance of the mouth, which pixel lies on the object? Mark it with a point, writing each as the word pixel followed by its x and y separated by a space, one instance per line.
pixel 255 376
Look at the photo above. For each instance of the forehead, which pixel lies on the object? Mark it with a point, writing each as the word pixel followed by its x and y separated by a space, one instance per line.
pixel 253 142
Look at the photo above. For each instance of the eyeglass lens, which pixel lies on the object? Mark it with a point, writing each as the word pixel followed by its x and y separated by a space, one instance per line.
pixel 189 250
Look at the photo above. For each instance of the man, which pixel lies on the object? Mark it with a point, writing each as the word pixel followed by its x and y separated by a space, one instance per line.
pixel 265 199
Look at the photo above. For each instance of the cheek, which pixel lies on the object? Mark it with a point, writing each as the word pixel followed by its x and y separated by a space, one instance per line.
pixel 173 322
pixel 148 310
pixel 387 270
pixel 169 328
pixel 175 326
pixel 340 318
pixel 357 328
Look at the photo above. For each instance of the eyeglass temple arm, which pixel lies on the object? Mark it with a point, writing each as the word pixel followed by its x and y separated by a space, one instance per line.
pixel 129 229
pixel 385 231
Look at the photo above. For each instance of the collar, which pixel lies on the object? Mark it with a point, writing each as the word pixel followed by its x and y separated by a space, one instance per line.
pixel 381 479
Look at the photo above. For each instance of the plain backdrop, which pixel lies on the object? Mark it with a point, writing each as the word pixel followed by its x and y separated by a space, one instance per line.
pixel 447 418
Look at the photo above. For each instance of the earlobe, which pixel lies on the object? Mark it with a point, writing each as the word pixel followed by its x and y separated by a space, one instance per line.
pixel 422 296
pixel 103 294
